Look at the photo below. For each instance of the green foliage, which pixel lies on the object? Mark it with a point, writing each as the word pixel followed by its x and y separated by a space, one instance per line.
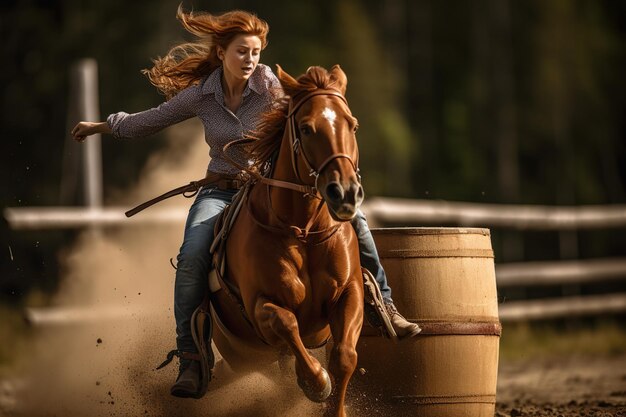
pixel 374 93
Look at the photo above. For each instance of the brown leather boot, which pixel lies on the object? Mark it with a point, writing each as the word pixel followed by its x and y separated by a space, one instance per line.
pixel 404 328
pixel 187 384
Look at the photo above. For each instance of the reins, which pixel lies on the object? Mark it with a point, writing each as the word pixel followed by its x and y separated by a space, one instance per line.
pixel 305 189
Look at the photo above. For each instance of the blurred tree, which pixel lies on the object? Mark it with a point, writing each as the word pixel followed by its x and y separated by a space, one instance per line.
pixel 374 91
pixel 570 127
pixel 493 106
pixel 40 42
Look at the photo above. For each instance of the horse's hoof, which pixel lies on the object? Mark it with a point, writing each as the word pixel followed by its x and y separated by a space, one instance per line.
pixel 317 396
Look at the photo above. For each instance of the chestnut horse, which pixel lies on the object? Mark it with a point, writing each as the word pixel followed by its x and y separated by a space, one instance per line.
pixel 293 254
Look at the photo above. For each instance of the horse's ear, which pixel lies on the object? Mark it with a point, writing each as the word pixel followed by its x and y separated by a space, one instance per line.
pixel 289 84
pixel 339 78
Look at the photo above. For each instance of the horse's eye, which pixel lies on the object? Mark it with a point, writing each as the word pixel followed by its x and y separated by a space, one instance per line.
pixel 306 130
pixel 355 124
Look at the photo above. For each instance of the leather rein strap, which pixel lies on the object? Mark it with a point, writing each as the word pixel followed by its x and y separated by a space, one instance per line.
pixel 305 189
pixel 188 190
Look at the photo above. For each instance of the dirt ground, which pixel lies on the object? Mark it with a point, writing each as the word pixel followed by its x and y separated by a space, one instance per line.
pixel 563 386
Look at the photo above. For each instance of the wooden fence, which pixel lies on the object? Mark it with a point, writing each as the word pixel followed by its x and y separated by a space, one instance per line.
pixel 398 211
pixel 84 106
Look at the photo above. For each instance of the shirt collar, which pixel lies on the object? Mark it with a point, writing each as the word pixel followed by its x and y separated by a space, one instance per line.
pixel 213 84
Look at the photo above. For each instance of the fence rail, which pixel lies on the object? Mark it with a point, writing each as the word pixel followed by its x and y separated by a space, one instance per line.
pixel 378 209
pixel 526 217
pixel 562 307
pixel 30 218
pixel 401 211
pixel 508 311
pixel 560 272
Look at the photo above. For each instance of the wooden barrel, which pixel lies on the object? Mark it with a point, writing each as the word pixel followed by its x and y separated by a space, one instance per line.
pixel 443 279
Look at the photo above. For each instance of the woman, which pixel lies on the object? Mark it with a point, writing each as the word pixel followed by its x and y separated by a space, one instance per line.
pixel 219 79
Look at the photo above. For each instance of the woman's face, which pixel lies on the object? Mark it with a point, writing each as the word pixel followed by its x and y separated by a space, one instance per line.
pixel 241 56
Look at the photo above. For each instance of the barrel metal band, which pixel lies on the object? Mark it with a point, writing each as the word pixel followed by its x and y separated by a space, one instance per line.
pixel 441 328
pixel 449 328
pixel 445 399
pixel 442 253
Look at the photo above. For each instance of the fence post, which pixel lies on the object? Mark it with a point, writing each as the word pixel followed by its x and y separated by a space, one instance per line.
pixel 85 80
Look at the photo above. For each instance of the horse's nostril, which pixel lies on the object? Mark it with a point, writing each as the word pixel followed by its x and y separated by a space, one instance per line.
pixel 334 191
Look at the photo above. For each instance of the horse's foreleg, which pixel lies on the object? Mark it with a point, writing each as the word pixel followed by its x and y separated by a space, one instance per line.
pixel 346 321
pixel 279 325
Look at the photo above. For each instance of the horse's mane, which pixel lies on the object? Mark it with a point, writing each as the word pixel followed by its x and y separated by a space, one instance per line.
pixel 269 132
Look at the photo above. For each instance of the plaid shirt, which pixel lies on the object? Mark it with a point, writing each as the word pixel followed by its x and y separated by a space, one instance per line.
pixel 206 101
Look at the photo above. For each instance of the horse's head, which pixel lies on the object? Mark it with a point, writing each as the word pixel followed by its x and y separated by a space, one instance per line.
pixel 322 132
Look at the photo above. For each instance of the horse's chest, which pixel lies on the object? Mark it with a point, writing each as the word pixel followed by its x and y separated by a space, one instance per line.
pixel 297 275
pixel 315 275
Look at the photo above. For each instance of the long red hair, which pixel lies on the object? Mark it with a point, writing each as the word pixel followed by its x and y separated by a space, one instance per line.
pixel 189 62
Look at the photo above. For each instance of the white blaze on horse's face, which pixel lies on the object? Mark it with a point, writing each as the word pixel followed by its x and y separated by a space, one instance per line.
pixel 330 115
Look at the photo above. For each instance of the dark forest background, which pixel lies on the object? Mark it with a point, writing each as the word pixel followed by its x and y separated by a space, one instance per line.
pixel 491 101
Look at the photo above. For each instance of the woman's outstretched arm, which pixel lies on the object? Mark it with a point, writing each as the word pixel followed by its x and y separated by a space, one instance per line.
pixel 123 125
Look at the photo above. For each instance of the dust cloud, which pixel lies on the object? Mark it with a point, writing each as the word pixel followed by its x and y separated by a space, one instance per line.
pixel 121 281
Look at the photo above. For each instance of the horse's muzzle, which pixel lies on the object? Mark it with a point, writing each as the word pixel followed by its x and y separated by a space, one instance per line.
pixel 343 200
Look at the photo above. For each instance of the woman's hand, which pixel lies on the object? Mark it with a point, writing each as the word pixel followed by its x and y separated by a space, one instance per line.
pixel 84 129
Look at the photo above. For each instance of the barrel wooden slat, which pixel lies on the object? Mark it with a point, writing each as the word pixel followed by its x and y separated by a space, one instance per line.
pixel 444 279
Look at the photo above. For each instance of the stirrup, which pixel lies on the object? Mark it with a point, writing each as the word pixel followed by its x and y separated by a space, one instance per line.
pixel 202 332
pixel 374 308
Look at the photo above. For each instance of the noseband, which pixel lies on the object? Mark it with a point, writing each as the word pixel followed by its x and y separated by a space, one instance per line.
pixel 296 143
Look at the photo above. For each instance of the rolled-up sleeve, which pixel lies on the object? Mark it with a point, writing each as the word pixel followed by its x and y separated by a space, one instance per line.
pixel 180 107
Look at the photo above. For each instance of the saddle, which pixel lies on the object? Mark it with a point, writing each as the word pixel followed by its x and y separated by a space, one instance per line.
pixel 222 229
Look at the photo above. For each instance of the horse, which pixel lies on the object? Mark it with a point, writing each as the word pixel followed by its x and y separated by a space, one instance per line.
pixel 297 273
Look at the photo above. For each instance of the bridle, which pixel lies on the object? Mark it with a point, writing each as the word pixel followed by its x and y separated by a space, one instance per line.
pixel 297 149
pixel 296 143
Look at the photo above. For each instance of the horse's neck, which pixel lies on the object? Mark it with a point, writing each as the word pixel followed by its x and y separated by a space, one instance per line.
pixel 293 206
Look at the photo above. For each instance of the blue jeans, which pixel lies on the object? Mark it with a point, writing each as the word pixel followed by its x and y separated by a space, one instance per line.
pixel 194 259
pixel 369 254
